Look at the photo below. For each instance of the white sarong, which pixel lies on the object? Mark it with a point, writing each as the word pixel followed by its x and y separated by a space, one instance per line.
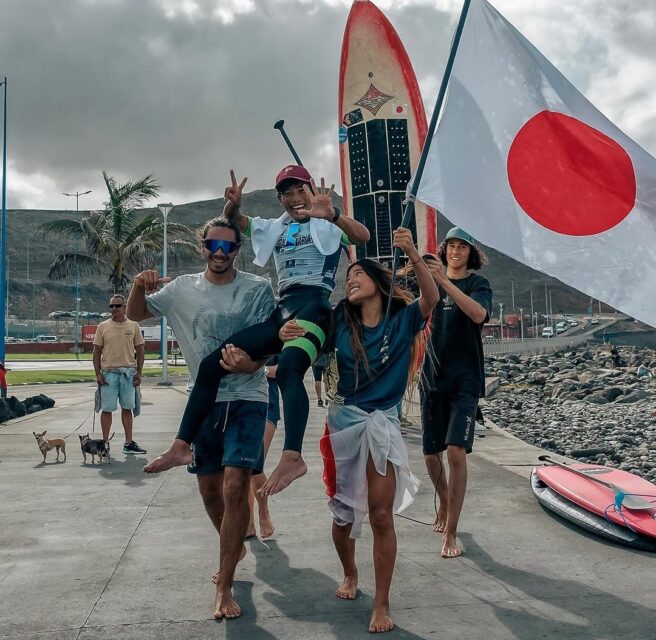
pixel 354 436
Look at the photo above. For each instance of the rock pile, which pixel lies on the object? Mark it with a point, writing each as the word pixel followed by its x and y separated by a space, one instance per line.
pixel 576 403
pixel 12 407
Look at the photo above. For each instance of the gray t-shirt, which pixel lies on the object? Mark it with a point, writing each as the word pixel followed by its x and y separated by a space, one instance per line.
pixel 203 315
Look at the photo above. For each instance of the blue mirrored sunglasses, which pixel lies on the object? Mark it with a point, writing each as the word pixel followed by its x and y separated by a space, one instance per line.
pixel 227 246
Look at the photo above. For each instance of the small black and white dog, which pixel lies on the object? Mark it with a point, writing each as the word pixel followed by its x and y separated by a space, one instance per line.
pixel 98 448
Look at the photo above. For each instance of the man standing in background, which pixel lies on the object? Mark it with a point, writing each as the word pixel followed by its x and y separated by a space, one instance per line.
pixel 118 358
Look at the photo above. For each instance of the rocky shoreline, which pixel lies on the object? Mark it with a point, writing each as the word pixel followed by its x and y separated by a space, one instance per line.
pixel 577 403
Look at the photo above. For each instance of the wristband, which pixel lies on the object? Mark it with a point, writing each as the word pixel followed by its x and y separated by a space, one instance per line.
pixel 336 215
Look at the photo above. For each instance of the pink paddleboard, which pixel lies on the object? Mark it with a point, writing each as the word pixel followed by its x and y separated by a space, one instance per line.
pixel 599 499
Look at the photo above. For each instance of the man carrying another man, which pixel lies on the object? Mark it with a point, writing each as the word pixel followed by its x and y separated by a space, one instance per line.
pixel 204 309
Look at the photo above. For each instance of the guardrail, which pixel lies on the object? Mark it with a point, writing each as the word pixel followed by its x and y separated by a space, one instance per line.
pixel 529 345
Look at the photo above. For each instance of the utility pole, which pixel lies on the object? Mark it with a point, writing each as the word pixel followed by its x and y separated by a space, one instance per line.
pixel 521 323
pixel 76 330
pixel 512 293
pixel 4 289
pixel 501 319
pixel 165 209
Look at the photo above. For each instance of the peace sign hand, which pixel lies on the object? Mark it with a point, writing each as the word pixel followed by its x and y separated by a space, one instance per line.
pixel 233 193
pixel 321 201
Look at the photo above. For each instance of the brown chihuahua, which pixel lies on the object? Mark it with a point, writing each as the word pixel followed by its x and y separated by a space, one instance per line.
pixel 45 445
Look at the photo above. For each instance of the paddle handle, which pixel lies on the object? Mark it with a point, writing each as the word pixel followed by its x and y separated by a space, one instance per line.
pixel 546 458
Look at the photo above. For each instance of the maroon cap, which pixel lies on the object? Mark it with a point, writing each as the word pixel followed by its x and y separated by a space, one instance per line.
pixel 293 172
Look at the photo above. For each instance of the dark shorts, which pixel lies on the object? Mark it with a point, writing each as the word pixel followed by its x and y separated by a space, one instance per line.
pixel 317 372
pixel 232 435
pixel 273 408
pixel 447 419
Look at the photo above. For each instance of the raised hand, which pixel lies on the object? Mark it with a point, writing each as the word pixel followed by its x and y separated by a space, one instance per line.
pixel 150 280
pixel 320 199
pixel 233 193
pixel 402 239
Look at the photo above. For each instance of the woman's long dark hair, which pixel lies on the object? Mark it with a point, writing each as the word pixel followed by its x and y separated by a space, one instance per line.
pixel 352 314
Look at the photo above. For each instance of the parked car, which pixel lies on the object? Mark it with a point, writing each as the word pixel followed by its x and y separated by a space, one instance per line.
pixel 547 332
pixel 573 323
pixel 44 338
pixel 594 321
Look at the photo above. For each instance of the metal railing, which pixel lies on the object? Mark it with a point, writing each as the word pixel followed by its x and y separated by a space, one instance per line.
pixel 541 345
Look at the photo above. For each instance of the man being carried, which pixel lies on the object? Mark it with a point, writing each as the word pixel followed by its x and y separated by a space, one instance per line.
pixel 305 241
pixel 204 309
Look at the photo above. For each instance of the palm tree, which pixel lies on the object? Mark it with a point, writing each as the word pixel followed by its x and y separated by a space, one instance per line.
pixel 117 240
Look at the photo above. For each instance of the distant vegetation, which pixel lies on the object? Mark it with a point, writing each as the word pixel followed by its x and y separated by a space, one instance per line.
pixel 118 241
pixel 35 294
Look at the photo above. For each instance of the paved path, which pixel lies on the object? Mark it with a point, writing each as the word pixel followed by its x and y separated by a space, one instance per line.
pixel 106 552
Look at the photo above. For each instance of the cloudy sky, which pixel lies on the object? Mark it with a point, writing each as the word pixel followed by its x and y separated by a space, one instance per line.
pixel 187 89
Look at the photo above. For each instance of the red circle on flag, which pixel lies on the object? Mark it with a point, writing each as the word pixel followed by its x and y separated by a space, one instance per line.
pixel 570 177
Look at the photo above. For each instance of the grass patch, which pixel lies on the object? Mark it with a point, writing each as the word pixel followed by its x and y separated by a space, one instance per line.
pixel 14 357
pixel 48 377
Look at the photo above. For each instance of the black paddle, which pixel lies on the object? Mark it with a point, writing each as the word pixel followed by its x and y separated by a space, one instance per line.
pixel 280 126
pixel 622 498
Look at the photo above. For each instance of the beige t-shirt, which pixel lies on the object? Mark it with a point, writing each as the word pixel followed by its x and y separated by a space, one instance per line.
pixel 118 341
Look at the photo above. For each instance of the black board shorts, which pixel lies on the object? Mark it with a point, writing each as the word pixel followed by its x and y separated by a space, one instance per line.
pixel 447 418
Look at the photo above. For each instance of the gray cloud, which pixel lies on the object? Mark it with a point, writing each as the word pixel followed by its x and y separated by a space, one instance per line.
pixel 143 87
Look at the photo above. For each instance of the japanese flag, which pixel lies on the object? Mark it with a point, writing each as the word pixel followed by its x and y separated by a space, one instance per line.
pixel 523 162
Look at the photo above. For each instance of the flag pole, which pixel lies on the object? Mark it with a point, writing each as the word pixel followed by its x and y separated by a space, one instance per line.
pixel 412 193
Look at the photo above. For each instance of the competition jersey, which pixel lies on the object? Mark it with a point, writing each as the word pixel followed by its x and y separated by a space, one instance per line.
pixel 298 261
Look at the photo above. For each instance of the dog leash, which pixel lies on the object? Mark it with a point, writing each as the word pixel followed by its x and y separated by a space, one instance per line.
pixel 93 429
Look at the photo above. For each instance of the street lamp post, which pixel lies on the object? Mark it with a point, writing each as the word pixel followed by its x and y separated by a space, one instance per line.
pixel 501 319
pixel 3 233
pixel 165 209
pixel 76 330
pixel 521 323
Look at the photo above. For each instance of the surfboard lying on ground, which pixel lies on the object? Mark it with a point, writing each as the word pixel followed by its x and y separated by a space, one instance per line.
pixel 589 498
pixel 382 130
pixel 598 525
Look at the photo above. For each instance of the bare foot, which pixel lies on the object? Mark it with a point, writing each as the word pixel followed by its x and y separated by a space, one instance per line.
pixel 440 522
pixel 450 548
pixel 290 468
pixel 250 533
pixel 348 588
pixel 226 607
pixel 177 455
pixel 242 555
pixel 380 620
pixel 266 526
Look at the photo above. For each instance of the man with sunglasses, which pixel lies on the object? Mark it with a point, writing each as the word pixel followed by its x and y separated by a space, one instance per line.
pixel 305 241
pixel 204 310
pixel 118 358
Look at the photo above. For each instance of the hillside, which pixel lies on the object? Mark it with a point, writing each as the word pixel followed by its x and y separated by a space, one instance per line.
pixel 30 255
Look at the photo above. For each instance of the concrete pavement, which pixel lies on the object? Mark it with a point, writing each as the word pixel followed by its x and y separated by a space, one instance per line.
pixel 105 551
